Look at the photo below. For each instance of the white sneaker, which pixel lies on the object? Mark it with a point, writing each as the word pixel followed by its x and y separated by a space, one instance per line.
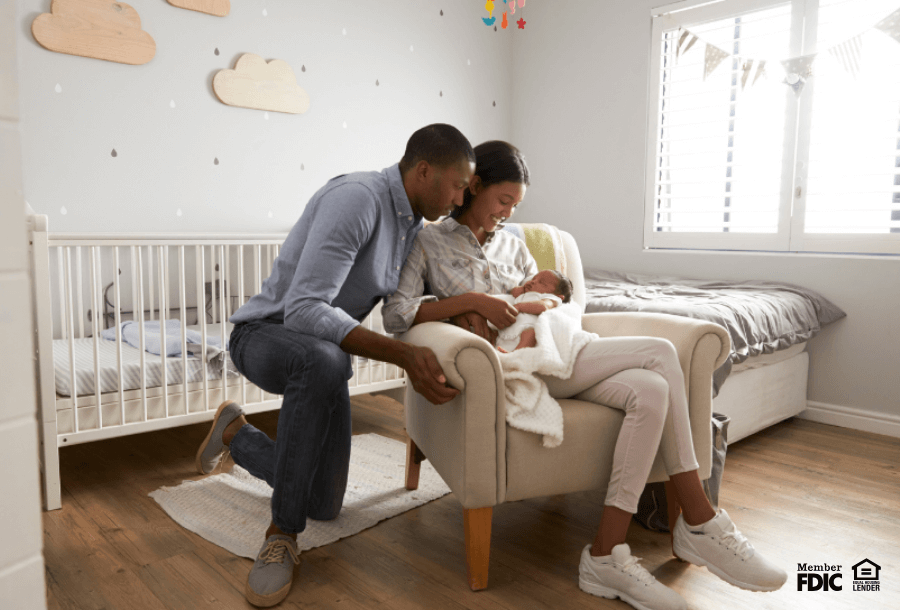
pixel 718 545
pixel 620 575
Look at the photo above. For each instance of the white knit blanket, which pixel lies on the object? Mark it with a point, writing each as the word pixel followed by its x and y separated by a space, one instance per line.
pixel 529 406
pixel 233 509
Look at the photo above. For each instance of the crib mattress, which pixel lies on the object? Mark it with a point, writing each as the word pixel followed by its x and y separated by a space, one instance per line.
pixel 131 368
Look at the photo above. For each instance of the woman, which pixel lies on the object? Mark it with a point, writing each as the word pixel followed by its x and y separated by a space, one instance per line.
pixel 463 260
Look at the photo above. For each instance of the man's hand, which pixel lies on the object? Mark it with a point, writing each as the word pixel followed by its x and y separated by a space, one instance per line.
pixel 426 376
pixel 476 323
pixel 498 311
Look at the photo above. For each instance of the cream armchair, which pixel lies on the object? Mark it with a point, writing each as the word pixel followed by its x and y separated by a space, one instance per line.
pixel 486 463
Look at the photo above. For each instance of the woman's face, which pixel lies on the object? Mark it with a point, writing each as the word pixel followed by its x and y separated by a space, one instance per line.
pixel 494 204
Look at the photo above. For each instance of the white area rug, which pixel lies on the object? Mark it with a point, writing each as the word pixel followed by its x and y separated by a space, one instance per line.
pixel 233 510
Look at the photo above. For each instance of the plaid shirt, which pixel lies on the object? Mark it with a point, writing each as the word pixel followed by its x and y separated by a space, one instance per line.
pixel 446 260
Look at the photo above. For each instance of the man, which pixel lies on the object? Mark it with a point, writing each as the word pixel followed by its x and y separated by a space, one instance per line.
pixel 295 337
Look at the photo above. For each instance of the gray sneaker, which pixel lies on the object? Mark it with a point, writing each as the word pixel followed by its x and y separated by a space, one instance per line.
pixel 273 571
pixel 212 448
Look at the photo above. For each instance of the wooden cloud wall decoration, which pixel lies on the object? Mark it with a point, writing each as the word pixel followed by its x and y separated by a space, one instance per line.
pixel 219 8
pixel 94 28
pixel 262 86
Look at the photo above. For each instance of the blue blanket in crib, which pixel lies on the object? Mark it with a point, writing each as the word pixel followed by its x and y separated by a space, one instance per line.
pixel 172 332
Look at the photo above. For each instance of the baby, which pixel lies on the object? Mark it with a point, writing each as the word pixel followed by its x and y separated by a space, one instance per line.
pixel 546 290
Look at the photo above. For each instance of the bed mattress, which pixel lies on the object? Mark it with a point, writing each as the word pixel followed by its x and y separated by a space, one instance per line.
pixel 761 317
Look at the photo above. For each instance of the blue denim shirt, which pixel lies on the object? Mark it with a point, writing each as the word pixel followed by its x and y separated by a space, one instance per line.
pixel 341 258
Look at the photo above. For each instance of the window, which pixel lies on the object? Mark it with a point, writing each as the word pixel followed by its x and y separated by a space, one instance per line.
pixel 739 159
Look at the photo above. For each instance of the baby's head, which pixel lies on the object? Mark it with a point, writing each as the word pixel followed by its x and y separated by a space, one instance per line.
pixel 550 281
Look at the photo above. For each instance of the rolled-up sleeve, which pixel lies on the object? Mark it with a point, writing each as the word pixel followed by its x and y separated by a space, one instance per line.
pixel 399 309
pixel 342 224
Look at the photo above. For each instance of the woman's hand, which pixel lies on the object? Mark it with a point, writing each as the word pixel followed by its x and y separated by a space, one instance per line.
pixel 476 323
pixel 498 311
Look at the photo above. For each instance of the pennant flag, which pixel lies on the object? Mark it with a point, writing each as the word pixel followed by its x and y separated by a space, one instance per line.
pixel 760 71
pixel 848 54
pixel 685 42
pixel 747 68
pixel 890 25
pixel 801 66
pixel 714 57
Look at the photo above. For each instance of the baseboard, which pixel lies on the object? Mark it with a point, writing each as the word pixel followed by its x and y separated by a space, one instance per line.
pixel 856 419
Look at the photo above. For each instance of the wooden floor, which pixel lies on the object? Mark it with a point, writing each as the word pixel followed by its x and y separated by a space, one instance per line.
pixel 802 492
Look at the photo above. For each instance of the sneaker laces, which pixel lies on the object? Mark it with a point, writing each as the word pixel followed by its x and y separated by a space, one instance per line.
pixel 274 552
pixel 639 572
pixel 734 540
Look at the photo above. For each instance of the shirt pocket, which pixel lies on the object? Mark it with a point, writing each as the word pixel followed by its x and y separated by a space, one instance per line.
pixel 452 277
pixel 509 276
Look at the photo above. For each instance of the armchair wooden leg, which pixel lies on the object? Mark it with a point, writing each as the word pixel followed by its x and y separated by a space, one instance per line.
pixel 477 524
pixel 674 509
pixel 414 457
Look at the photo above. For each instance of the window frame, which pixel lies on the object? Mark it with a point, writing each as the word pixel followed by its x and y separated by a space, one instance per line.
pixel 790 236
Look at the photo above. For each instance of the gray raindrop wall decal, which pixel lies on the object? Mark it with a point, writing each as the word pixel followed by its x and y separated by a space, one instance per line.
pixel 495 104
pixel 216 51
pixel 441 94
pixel 301 167
pixel 216 161
pixel 376 82
pixel 114 153
pixel 442 12
pixel 303 68
pixel 495 28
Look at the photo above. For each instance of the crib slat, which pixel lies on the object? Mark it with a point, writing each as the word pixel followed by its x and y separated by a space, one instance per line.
pixel 63 326
pixel 141 334
pixel 71 337
pixel 150 279
pixel 182 291
pixel 240 304
pixel 118 320
pixel 79 293
pixel 96 273
pixel 201 305
pixel 222 280
pixel 163 310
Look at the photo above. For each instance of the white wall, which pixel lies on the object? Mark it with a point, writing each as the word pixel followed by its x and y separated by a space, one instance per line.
pixel 580 115
pixel 21 563
pixel 430 68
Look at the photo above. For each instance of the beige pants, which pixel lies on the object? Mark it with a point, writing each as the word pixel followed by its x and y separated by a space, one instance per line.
pixel 642 377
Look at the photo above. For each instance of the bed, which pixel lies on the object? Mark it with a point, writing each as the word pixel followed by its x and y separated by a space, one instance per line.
pixel 86 286
pixel 765 377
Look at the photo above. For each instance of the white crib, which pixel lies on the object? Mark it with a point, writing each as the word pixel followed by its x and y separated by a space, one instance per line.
pixel 115 389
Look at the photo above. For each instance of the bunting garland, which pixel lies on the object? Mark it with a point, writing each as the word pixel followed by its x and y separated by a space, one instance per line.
pixel 848 54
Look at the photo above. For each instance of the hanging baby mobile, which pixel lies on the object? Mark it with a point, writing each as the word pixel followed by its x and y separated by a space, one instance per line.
pixel 796 69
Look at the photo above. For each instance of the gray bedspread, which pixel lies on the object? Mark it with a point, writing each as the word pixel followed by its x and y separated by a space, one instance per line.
pixel 761 317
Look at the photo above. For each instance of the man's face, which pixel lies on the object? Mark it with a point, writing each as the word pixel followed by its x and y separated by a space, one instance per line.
pixel 445 188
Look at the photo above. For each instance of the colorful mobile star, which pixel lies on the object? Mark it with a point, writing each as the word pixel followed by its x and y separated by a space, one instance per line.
pixel 521 23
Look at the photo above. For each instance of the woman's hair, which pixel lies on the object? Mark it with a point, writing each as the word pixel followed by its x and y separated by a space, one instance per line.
pixel 440 145
pixel 495 162
pixel 564 286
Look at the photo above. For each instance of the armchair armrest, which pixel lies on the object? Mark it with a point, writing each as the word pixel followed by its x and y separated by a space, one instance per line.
pixel 702 347
pixel 464 439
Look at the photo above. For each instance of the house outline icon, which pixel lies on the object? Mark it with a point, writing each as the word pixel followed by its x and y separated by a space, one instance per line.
pixel 865 573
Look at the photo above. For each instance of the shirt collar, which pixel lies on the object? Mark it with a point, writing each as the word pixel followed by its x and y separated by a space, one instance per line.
pixel 398 193
pixel 450 225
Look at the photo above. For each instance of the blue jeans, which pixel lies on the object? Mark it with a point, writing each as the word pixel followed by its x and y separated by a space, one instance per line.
pixel 308 462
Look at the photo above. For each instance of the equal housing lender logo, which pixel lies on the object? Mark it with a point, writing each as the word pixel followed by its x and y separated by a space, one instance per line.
pixel 825 577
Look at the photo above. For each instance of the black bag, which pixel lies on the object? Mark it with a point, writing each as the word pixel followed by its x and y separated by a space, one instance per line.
pixel 652 512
